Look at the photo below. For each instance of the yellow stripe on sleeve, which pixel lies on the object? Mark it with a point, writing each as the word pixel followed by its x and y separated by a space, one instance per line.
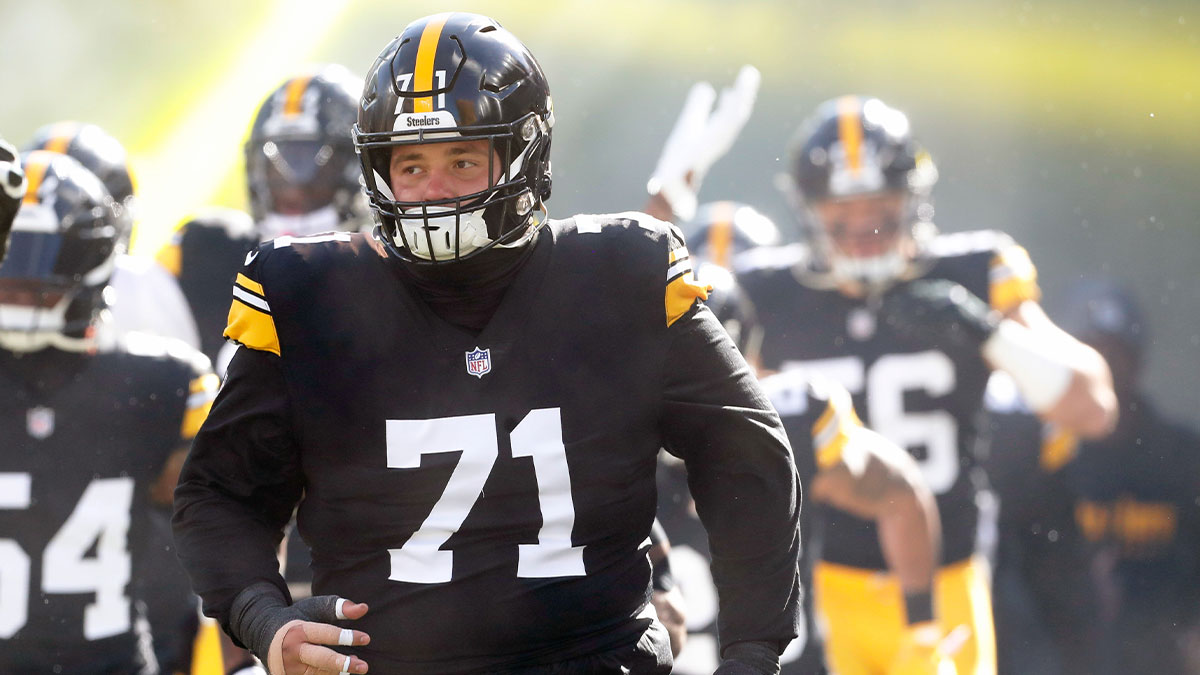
pixel 833 429
pixel 171 258
pixel 249 284
pixel 682 288
pixel 201 394
pixel 251 327
pixel 426 55
pixel 1012 279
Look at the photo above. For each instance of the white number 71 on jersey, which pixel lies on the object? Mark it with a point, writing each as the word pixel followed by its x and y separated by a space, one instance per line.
pixel 421 560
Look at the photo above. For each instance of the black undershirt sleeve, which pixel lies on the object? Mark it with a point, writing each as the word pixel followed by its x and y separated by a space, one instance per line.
pixel 238 486
pixel 742 476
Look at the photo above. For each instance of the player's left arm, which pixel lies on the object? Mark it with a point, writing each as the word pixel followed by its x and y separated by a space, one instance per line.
pixel 1064 381
pixel 716 417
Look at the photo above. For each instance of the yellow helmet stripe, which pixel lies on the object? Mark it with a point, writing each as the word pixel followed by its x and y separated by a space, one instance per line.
pixel 426 55
pixel 61 135
pixel 850 130
pixel 720 235
pixel 35 170
pixel 294 95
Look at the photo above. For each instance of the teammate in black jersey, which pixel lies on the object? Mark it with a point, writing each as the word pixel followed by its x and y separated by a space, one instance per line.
pixel 1137 502
pixel 94 430
pixel 911 324
pixel 12 189
pixel 843 464
pixel 468 405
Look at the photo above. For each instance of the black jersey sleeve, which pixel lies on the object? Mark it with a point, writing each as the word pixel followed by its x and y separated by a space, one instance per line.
pixel 742 476
pixel 238 486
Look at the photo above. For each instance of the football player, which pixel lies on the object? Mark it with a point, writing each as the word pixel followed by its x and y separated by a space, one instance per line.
pixel 301 170
pixel 204 255
pixel 1137 500
pixel 12 189
pixel 95 426
pixel 1045 602
pixel 843 464
pixel 150 299
pixel 911 324
pixel 468 405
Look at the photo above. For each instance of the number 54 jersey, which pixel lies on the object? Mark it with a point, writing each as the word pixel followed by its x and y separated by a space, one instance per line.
pixel 919 396
pixel 489 496
pixel 85 436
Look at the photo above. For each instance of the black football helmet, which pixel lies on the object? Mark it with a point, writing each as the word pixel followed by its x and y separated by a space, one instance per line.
pixel 852 147
pixel 98 152
pixel 64 245
pixel 445 78
pixel 723 230
pixel 301 169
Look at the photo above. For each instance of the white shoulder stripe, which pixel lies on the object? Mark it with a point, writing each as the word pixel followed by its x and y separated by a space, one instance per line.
pixel 251 299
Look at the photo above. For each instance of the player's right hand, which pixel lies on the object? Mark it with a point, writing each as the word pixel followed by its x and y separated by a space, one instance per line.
pixel 926 650
pixel 12 189
pixel 298 647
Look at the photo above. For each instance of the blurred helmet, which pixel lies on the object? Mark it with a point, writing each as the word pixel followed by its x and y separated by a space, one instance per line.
pixel 1102 308
pixel 721 231
pixel 301 170
pixel 64 245
pixel 99 153
pixel 445 78
pixel 859 148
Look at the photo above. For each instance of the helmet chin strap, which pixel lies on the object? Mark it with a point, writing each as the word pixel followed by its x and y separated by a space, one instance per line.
pixel 324 219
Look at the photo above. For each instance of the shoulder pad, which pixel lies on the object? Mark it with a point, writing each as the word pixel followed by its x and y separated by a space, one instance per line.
pixel 771 258
pixel 946 245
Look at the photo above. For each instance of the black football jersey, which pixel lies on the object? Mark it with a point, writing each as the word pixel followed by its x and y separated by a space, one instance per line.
pixel 919 396
pixel 85 435
pixel 1137 496
pixel 488 495
pixel 205 256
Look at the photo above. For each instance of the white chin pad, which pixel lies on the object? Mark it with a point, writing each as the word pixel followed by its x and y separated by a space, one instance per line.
pixel 467 230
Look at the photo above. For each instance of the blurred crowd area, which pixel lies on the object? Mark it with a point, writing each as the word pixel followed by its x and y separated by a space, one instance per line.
pixel 1068 125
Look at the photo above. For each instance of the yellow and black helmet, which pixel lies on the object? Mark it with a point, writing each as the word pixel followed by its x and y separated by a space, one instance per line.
pixel 448 77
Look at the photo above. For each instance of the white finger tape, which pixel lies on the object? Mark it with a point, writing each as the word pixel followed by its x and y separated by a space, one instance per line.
pixel 338 609
pixel 346 637
pixel 346 665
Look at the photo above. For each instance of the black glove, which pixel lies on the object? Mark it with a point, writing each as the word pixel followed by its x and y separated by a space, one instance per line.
pixel 261 610
pixel 749 658
pixel 940 312
pixel 12 189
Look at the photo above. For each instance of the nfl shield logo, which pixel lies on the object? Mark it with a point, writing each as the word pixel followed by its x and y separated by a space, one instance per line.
pixel 479 362
pixel 39 422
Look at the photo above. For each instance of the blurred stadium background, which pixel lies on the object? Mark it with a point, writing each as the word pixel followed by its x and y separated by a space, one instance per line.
pixel 1073 125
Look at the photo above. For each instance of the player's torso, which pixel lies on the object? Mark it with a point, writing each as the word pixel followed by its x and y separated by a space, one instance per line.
pixel 918 395
pixel 477 490
pixel 1138 496
pixel 74 480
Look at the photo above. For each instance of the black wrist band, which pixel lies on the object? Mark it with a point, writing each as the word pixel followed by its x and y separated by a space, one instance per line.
pixel 918 607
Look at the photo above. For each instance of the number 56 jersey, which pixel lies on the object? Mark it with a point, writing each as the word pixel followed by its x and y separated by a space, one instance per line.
pixel 916 394
pixel 489 496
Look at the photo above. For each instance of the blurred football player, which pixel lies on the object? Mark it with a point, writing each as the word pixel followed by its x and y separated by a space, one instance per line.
pixel 1137 500
pixel 468 405
pixel 718 234
pixel 301 170
pixel 204 255
pixel 12 189
pixel 1046 603
pixel 150 299
pixel 911 324
pixel 95 426
pixel 843 464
